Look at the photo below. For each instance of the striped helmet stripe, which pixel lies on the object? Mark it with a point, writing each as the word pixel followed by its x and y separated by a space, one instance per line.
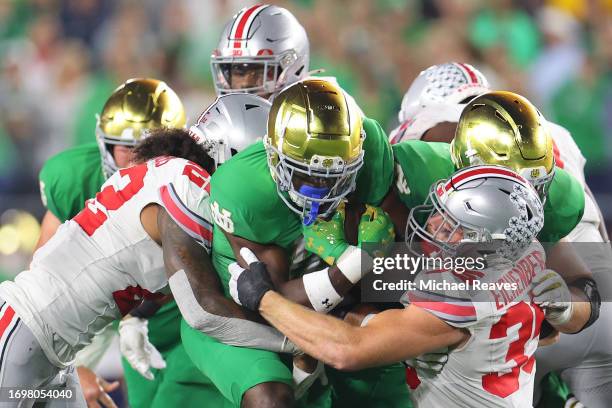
pixel 243 22
pixel 478 172
pixel 470 72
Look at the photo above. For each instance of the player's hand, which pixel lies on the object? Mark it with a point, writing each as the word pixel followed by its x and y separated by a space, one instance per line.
pixel 326 238
pixel 95 389
pixel 247 287
pixel 430 363
pixel 306 371
pixel 136 348
pixel 376 232
pixel 551 293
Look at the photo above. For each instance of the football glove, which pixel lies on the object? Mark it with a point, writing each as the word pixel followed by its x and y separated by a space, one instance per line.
pixel 135 346
pixel 376 232
pixel 430 363
pixel 247 287
pixel 551 293
pixel 326 238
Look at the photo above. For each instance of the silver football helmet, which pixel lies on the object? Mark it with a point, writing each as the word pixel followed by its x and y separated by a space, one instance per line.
pixel 491 206
pixel 232 123
pixel 449 83
pixel 262 49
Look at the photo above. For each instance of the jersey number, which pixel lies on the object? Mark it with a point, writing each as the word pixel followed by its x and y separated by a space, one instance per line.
pixel 110 198
pixel 530 318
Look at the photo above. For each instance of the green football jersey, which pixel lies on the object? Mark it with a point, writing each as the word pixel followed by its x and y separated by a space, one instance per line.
pixel 245 201
pixel 419 164
pixel 69 178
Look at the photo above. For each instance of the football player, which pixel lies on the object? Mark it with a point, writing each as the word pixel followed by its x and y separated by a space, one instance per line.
pixel 97 266
pixel 147 219
pixel 262 49
pixel 430 111
pixel 74 175
pixel 227 126
pixel 514 121
pixel 313 156
pixel 492 343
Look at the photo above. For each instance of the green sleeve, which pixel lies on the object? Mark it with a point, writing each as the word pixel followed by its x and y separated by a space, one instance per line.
pixel 376 175
pixel 69 178
pixel 564 207
pixel 47 188
pixel 418 165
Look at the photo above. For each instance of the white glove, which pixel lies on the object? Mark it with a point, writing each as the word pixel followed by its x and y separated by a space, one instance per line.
pixel 303 380
pixel 136 348
pixel 236 270
pixel 551 293
pixel 431 363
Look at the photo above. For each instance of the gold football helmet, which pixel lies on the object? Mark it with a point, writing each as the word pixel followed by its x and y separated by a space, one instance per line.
pixel 505 129
pixel 314 146
pixel 137 106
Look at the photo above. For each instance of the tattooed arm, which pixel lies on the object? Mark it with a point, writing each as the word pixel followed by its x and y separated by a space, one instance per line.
pixel 197 291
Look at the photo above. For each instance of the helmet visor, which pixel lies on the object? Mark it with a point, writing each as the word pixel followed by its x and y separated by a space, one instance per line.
pixel 248 76
pixel 313 191
pixel 432 230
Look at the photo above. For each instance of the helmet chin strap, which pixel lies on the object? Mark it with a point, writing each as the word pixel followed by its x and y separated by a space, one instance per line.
pixel 312 192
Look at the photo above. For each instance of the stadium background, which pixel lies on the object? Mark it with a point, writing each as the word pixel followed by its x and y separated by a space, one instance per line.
pixel 61 59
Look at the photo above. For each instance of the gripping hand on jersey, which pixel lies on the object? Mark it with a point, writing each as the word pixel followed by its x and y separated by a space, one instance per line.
pixel 247 287
pixel 376 232
pixel 136 348
pixel 552 294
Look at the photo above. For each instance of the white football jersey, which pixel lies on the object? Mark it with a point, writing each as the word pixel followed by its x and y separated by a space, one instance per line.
pixel 567 154
pixel 102 263
pixel 496 366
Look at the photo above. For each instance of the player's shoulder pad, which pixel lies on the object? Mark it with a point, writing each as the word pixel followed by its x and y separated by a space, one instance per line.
pixel 184 194
pixel 244 198
pixel 563 138
pixel 419 164
pixel 564 207
pixel 376 176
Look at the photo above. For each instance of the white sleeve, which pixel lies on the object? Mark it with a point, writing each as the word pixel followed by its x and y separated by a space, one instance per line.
pixel 186 200
pixel 424 119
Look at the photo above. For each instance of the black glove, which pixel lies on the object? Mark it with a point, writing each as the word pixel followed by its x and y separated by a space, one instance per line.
pixel 247 287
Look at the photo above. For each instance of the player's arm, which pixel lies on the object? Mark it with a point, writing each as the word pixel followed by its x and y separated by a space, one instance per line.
pixel 324 289
pixel 333 280
pixel 391 336
pixel 50 224
pixel 582 308
pixel 197 291
pixel 602 225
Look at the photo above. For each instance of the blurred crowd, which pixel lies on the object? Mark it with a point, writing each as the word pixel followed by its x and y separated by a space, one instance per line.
pixel 61 59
